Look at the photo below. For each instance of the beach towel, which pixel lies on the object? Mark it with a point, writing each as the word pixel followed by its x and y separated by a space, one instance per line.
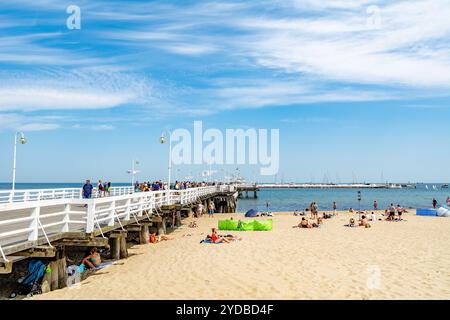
pixel 103 265
pixel 208 241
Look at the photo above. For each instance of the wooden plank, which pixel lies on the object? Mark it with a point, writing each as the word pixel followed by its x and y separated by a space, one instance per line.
pixel 89 242
pixel 118 234
pixel 6 267
pixel 37 252
pixel 133 228
pixel 157 219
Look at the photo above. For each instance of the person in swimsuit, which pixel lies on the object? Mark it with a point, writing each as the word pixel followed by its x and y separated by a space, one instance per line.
pixel 351 223
pixel 155 239
pixel 391 216
pixel 363 222
pixel 334 208
pixel 216 238
pixel 304 223
pixel 93 259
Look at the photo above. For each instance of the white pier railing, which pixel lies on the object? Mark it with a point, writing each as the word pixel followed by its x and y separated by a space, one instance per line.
pixel 24 195
pixel 28 221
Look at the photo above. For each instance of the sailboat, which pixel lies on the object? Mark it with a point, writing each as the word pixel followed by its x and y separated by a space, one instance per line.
pixel 426 186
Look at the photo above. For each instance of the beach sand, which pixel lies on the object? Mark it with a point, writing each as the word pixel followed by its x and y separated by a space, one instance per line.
pixel 391 260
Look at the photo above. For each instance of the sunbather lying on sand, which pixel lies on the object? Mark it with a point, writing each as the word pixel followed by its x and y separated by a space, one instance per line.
pixel 216 238
pixel 155 239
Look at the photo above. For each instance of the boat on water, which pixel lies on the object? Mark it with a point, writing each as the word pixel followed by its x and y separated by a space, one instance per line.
pixel 444 186
pixel 394 186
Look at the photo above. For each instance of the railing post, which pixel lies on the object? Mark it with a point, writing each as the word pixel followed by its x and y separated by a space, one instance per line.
pixel 90 217
pixel 34 225
pixel 66 220
pixel 141 206
pixel 128 209
pixel 112 209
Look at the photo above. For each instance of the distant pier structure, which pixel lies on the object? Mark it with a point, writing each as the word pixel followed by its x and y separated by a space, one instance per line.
pixel 246 188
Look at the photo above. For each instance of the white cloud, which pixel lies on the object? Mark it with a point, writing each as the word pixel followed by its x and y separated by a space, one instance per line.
pixel 69 90
pixel 20 122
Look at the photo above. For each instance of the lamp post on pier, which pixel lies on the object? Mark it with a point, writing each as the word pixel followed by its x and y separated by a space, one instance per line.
pixel 133 171
pixel 21 137
pixel 162 139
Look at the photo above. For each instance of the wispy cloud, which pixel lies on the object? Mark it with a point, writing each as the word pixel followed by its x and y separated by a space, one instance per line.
pixel 205 57
pixel 20 122
pixel 69 90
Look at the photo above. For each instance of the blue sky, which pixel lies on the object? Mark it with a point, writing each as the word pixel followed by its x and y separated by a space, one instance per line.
pixel 358 89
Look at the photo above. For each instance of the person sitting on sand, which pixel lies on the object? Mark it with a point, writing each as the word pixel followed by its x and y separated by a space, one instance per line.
pixel 155 239
pixel 363 222
pixel 351 223
pixel 193 224
pixel 318 224
pixel 304 223
pixel 216 238
pixel 93 259
pixel 351 210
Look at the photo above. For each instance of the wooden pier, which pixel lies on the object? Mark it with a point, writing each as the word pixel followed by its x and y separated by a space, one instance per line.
pixel 246 188
pixel 49 229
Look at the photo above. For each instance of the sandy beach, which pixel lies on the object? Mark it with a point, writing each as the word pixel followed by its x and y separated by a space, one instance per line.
pixel 391 260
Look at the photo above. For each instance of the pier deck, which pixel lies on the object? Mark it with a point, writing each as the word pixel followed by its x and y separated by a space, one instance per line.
pixel 32 223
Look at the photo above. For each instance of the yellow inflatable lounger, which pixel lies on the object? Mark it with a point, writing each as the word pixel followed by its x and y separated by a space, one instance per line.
pixel 246 225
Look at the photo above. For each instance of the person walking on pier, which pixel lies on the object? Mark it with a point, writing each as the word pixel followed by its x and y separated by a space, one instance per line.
pixel 100 189
pixel 211 209
pixel 87 190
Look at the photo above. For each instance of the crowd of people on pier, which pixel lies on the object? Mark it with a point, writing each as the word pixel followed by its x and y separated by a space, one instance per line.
pixel 104 188
pixel 160 185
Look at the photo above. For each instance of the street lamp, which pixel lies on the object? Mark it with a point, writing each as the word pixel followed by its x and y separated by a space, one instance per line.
pixel 22 140
pixel 162 139
pixel 133 171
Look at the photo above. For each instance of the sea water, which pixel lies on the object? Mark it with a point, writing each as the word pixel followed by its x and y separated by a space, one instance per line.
pixel 299 199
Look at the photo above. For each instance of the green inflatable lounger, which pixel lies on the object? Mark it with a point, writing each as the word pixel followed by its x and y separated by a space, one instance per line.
pixel 246 225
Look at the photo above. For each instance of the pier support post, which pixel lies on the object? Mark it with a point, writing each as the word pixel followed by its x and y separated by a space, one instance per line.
pixel 123 247
pixel 62 268
pixel 178 219
pixel 54 275
pixel 144 234
pixel 161 226
pixel 115 248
